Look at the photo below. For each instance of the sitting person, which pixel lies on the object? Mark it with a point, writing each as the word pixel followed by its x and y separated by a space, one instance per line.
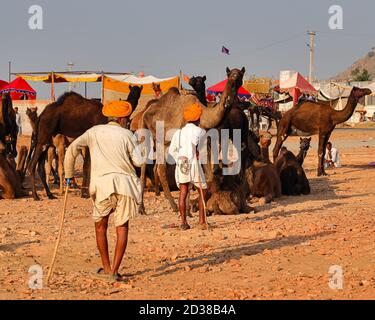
pixel 332 157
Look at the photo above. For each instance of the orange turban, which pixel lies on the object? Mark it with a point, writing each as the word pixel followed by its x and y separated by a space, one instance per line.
pixel 193 112
pixel 117 109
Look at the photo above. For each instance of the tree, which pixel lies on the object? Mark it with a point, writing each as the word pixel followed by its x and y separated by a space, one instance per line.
pixel 358 75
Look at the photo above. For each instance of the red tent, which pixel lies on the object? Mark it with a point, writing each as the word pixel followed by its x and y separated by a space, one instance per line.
pixel 3 84
pixel 219 88
pixel 297 85
pixel 19 88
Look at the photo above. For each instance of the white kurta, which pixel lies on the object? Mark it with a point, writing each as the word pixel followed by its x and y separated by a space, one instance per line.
pixel 335 157
pixel 114 153
pixel 183 150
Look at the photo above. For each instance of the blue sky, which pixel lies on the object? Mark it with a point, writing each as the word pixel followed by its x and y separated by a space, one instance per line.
pixel 161 37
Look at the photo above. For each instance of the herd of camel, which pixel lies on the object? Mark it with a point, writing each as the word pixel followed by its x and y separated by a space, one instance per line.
pixel 71 115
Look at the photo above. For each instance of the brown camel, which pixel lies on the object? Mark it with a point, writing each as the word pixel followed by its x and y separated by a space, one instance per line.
pixel 9 181
pixel 262 177
pixel 304 146
pixel 292 176
pixel 71 115
pixel 316 118
pixel 8 126
pixel 59 144
pixel 228 195
pixel 169 110
pixel 157 90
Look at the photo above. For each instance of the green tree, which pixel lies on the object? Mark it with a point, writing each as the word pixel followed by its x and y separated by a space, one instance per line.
pixel 361 75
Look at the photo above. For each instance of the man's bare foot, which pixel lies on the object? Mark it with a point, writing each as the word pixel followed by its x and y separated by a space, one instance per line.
pixel 203 226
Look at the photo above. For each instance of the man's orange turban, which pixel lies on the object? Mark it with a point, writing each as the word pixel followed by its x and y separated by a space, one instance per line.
pixel 117 109
pixel 193 112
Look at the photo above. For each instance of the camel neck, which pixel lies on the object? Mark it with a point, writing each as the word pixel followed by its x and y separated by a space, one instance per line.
pixel 265 155
pixel 345 114
pixel 202 96
pixel 301 156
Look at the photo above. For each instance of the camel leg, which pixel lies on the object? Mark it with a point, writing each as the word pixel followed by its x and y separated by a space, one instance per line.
pixel 282 135
pixel 49 169
pixel 33 163
pixel 156 181
pixel 162 172
pixel 42 173
pixel 323 140
pixel 86 174
pixel 60 158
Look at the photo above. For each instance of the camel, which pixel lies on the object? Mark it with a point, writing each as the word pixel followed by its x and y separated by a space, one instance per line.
pixel 8 126
pixel 59 144
pixel 157 90
pixel 9 181
pixel 304 146
pixel 292 176
pixel 169 109
pixel 198 84
pixel 262 177
pixel 70 115
pixel 316 118
pixel 228 195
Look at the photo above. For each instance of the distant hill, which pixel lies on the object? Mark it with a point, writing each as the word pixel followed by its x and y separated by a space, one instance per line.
pixel 367 62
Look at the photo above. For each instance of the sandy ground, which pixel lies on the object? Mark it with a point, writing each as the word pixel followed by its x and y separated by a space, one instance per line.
pixel 284 251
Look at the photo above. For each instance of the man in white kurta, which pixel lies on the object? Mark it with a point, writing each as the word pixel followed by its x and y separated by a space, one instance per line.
pixel 332 157
pixel 189 172
pixel 114 186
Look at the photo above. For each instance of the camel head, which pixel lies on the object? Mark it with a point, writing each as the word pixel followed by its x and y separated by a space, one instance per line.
pixel 198 83
pixel 304 143
pixel 235 80
pixel 135 93
pixel 358 93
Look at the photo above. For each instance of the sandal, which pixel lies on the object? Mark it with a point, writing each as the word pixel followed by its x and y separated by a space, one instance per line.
pixel 100 274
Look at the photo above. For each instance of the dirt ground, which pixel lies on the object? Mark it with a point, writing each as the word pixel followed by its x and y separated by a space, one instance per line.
pixel 284 251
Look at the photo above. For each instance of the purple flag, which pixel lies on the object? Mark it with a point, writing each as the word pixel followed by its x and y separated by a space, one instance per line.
pixel 225 50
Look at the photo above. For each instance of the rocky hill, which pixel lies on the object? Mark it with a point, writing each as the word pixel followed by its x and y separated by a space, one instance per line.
pixel 367 62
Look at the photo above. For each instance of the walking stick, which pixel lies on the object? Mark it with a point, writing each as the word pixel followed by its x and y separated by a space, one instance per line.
pixel 59 236
pixel 202 196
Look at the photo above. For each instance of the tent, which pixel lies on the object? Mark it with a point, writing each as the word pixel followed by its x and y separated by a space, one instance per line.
pixel 3 84
pixel 18 88
pixel 297 85
pixel 219 88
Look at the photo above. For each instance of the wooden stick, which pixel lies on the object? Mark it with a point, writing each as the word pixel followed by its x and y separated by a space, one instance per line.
pixel 59 236
pixel 201 192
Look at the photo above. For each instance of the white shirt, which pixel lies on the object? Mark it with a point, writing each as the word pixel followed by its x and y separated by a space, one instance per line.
pixel 335 157
pixel 114 153
pixel 185 141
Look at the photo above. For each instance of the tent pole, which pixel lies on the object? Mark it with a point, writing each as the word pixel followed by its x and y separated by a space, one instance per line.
pixel 52 86
pixel 102 87
pixel 9 70
pixel 180 79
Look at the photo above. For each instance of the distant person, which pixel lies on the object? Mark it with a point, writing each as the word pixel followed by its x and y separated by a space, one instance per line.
pixel 332 157
pixel 18 121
